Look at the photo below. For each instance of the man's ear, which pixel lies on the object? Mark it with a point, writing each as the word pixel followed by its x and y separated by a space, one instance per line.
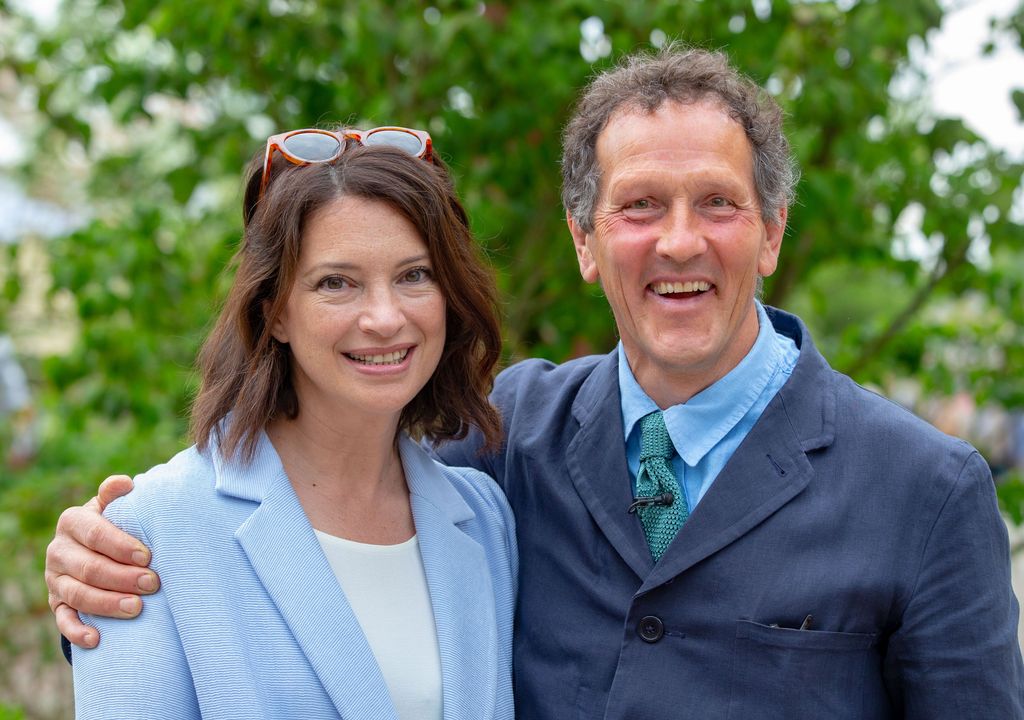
pixel 769 257
pixel 581 240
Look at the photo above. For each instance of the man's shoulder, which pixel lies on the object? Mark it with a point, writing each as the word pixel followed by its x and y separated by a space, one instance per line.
pixel 869 408
pixel 861 416
pixel 536 375
pixel 899 442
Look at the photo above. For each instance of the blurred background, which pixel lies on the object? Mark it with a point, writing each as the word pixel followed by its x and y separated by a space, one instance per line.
pixel 124 128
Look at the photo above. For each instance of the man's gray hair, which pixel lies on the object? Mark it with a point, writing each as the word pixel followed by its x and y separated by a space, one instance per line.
pixel 644 82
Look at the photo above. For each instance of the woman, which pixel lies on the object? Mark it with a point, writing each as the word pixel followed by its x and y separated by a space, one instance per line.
pixel 315 561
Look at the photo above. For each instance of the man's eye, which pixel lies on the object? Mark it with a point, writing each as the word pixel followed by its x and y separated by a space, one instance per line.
pixel 719 201
pixel 642 204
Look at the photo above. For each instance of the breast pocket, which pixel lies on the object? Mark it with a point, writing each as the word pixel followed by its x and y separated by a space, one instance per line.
pixel 785 673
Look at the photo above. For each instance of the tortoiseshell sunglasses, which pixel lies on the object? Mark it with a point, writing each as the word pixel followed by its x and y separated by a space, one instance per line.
pixel 310 145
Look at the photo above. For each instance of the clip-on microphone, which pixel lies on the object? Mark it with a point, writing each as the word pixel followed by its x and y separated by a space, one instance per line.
pixel 665 498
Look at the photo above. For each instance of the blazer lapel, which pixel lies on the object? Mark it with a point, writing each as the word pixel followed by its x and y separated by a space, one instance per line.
pixel 286 556
pixel 768 470
pixel 748 490
pixel 596 460
pixel 459 582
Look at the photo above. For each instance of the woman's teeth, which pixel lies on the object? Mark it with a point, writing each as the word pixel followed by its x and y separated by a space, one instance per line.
pixel 391 358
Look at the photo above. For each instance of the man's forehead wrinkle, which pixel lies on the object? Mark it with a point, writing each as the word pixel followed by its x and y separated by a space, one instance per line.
pixel 655 174
pixel 628 140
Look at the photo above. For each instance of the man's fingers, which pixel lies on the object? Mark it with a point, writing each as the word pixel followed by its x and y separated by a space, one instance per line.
pixel 71 627
pixel 67 558
pixel 66 592
pixel 112 488
pixel 85 526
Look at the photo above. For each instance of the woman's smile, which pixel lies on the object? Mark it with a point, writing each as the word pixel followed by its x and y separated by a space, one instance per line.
pixel 365 318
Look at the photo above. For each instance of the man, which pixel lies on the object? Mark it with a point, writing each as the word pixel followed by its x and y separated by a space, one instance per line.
pixel 779 542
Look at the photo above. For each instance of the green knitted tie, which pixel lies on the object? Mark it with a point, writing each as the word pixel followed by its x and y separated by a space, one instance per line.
pixel 661 522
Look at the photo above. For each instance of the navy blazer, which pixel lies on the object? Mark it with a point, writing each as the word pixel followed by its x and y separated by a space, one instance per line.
pixel 839 505
pixel 250 621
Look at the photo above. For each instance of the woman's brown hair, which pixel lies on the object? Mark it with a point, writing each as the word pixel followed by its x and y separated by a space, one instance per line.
pixel 246 372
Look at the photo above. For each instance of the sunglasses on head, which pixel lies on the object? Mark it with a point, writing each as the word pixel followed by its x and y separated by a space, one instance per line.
pixel 311 146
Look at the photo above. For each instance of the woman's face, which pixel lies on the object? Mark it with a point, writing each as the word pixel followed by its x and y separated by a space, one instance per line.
pixel 365 318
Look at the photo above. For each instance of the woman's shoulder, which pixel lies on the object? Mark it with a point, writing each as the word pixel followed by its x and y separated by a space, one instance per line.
pixel 477 488
pixel 430 477
pixel 188 473
pixel 169 491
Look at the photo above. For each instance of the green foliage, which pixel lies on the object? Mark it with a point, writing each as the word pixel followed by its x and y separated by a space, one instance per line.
pixel 1011 496
pixel 149 111
pixel 185 94
pixel 9 712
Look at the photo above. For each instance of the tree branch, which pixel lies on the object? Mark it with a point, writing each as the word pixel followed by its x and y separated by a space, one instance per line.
pixel 896 325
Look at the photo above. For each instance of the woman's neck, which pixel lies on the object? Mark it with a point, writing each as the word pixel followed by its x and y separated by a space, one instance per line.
pixel 347 474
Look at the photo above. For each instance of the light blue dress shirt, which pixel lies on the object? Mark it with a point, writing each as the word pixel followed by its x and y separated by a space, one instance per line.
pixel 707 429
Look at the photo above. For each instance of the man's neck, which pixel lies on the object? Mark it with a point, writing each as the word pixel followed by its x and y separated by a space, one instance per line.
pixel 668 385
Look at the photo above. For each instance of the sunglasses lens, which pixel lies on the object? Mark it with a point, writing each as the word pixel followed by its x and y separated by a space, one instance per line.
pixel 399 139
pixel 312 146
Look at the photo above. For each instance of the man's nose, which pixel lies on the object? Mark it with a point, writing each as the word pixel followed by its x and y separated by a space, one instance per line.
pixel 681 235
pixel 382 313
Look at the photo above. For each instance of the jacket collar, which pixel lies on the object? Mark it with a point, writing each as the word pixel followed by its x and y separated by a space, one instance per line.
pixel 767 471
pixel 461 591
pixel 423 475
pixel 284 553
pixel 812 413
pixel 256 479
pixel 596 461
pixel 252 480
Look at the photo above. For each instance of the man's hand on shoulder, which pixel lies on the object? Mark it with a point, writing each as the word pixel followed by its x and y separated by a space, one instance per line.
pixel 96 568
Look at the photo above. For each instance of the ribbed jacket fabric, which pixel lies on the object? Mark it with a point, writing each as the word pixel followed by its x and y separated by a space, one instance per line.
pixel 250 621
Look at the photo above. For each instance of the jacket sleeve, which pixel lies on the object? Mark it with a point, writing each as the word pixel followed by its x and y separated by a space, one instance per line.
pixel 956 652
pixel 139 669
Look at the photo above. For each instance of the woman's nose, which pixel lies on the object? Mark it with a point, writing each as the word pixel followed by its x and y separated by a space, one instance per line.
pixel 382 313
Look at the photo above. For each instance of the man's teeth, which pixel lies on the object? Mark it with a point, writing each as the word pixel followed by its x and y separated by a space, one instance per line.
pixel 391 358
pixel 671 288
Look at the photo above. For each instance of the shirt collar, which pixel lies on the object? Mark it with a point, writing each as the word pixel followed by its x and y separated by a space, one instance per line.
pixel 699 424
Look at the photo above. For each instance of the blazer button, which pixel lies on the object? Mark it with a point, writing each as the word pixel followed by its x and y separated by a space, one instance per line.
pixel 650 629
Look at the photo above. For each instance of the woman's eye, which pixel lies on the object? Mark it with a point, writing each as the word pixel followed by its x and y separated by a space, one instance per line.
pixel 719 202
pixel 642 204
pixel 333 282
pixel 417 275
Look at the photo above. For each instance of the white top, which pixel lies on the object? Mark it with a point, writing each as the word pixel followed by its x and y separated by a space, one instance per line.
pixel 387 589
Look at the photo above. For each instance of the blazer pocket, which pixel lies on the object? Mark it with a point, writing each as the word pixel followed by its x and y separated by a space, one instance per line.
pixel 786 673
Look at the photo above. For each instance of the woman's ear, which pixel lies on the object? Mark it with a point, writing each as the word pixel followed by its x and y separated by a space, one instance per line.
pixel 278 326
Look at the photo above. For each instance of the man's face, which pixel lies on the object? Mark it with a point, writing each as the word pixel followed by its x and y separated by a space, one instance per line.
pixel 678 244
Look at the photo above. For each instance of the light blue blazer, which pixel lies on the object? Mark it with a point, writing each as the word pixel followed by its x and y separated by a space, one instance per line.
pixel 250 621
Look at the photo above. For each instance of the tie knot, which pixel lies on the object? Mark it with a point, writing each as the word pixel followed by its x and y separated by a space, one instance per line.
pixel 654 439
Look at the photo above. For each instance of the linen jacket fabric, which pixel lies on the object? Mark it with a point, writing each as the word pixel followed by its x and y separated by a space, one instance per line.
pixel 838 504
pixel 250 621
